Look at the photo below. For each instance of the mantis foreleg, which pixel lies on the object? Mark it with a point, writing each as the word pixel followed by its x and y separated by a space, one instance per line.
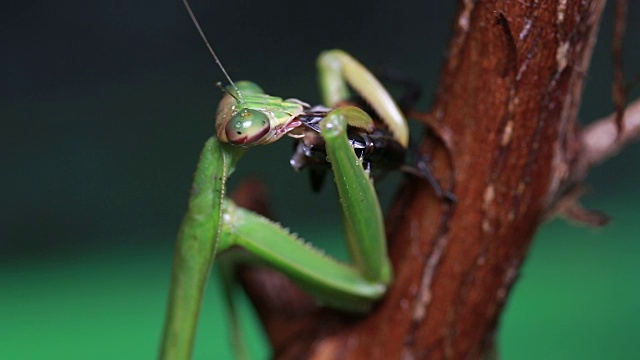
pixel 336 69
pixel 350 288
pixel 214 222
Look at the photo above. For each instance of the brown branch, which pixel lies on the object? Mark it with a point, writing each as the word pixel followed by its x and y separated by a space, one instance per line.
pixel 591 146
pixel 508 98
pixel 600 140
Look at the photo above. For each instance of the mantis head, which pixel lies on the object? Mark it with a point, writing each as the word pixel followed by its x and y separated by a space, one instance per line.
pixel 246 116
pixel 236 122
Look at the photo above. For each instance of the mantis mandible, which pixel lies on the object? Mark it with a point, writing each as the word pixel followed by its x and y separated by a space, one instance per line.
pixel 247 117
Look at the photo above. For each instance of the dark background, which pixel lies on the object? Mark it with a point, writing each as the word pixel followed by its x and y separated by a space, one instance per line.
pixel 105 106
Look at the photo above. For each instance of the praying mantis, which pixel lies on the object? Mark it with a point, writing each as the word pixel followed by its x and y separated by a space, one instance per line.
pixel 247 117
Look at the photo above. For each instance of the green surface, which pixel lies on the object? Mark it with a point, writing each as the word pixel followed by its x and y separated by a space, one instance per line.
pixel 577 298
pixel 103 305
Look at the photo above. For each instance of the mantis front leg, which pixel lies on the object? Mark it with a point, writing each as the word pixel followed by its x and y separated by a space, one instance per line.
pixel 214 223
pixel 337 69
pixel 350 287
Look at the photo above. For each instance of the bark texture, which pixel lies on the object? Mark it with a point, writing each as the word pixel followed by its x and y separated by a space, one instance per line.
pixel 509 147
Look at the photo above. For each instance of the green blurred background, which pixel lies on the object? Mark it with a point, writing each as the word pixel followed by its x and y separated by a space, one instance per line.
pixel 105 106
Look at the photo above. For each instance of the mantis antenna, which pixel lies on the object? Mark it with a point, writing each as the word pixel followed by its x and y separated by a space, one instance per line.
pixel 206 42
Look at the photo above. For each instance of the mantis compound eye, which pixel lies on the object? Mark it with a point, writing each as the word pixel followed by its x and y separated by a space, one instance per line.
pixel 247 127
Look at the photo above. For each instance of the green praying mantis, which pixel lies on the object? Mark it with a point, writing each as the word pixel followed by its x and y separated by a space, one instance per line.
pixel 248 117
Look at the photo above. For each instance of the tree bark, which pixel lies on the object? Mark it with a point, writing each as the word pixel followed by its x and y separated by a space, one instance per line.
pixel 509 147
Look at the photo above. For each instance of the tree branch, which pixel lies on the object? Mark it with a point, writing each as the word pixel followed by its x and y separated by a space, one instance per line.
pixel 601 141
pixel 507 105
